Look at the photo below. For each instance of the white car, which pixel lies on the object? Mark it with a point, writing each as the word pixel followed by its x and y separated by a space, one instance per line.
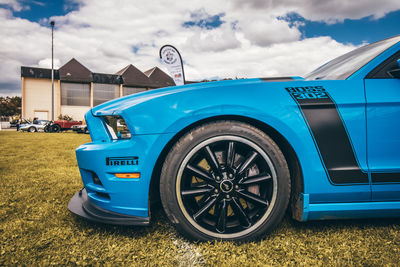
pixel 34 127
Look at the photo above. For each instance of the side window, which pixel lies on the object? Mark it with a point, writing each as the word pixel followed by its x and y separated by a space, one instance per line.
pixel 382 71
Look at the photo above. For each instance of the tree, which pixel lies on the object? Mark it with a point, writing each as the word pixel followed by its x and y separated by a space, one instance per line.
pixel 10 106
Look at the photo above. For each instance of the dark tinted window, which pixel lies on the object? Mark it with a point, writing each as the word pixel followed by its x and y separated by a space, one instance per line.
pixel 382 71
pixel 75 94
pixel 133 90
pixel 104 92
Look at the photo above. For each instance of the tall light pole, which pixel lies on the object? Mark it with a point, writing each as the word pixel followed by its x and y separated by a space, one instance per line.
pixel 52 69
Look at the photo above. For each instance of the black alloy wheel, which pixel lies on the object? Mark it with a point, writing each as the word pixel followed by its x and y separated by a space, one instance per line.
pixel 227 185
pixel 55 128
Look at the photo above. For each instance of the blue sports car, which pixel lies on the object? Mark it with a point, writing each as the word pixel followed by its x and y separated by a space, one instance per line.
pixel 227 159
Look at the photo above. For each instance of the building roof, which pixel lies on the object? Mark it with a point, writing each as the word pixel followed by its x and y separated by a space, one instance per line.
pixel 149 72
pixel 132 76
pixel 158 78
pixel 31 72
pixel 73 70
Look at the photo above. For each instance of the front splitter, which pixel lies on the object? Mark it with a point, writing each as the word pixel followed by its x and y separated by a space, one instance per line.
pixel 81 205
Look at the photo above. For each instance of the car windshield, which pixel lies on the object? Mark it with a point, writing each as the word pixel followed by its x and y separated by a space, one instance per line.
pixel 344 66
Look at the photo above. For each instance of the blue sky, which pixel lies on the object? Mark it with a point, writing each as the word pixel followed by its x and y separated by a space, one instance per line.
pixel 226 38
pixel 36 10
pixel 355 31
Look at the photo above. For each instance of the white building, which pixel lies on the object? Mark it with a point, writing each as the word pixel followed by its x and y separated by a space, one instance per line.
pixel 77 89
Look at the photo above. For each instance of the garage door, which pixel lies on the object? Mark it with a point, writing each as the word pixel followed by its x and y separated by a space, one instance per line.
pixel 42 115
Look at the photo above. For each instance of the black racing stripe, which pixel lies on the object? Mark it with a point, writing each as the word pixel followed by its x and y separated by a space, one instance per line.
pixel 385 177
pixel 330 136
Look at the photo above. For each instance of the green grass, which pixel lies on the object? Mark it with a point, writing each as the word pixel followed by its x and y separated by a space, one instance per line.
pixel 39 175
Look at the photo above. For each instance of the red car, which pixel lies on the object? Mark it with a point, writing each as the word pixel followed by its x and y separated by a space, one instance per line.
pixel 58 126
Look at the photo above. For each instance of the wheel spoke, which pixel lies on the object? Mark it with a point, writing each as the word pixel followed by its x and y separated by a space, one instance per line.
pixel 212 160
pixel 253 199
pixel 247 163
pixel 256 179
pixel 239 212
pixel 201 174
pixel 230 154
pixel 221 216
pixel 196 192
pixel 203 210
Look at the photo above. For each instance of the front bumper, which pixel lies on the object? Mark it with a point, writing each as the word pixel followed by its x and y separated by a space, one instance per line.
pixel 80 205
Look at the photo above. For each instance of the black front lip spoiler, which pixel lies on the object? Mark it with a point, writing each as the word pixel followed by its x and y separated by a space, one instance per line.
pixel 80 205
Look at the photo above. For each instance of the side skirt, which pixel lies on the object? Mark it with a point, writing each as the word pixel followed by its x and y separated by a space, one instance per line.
pixel 353 210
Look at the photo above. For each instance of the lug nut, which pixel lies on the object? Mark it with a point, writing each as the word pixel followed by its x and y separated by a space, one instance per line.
pixel 228 196
pixel 230 175
pixel 216 191
pixel 218 178
pixel 236 187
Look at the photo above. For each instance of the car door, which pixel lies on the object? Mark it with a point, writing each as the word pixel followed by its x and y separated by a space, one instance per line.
pixel 382 89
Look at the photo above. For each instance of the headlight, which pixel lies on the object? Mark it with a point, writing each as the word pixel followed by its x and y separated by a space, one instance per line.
pixel 117 127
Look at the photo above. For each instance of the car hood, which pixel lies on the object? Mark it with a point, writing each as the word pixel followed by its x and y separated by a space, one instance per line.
pixel 115 106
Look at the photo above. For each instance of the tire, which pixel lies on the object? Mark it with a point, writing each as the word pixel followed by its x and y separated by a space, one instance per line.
pixel 225 180
pixel 55 128
pixel 32 129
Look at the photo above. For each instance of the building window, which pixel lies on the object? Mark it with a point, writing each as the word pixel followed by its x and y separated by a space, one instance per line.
pixel 133 90
pixel 75 94
pixel 103 92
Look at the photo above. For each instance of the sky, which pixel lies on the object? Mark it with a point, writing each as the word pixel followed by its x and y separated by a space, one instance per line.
pixel 217 39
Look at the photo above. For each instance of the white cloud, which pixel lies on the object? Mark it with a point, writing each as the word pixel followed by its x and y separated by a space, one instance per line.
pixel 251 42
pixel 324 10
pixel 265 31
pixel 14 4
pixel 215 40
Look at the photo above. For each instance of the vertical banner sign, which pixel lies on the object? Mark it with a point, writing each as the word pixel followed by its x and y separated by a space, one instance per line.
pixel 172 59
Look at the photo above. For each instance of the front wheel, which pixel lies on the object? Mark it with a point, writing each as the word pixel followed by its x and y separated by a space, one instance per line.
pixel 225 180
pixel 55 128
pixel 32 129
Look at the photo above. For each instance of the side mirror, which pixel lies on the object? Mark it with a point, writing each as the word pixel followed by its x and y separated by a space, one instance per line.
pixel 395 73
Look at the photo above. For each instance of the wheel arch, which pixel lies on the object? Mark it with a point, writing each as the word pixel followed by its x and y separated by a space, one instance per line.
pixel 296 175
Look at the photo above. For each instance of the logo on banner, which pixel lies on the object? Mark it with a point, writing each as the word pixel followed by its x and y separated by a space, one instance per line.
pixel 170 59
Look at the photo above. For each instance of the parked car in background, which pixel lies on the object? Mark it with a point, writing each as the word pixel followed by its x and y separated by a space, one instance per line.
pixel 13 123
pixel 58 126
pixel 80 128
pixel 34 127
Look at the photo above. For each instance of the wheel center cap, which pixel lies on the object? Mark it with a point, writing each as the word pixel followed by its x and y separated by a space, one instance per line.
pixel 226 186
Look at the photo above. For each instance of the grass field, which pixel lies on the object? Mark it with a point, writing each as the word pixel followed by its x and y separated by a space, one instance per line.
pixel 39 175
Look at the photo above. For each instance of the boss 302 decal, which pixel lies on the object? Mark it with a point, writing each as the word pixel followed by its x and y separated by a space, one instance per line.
pixel 329 134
